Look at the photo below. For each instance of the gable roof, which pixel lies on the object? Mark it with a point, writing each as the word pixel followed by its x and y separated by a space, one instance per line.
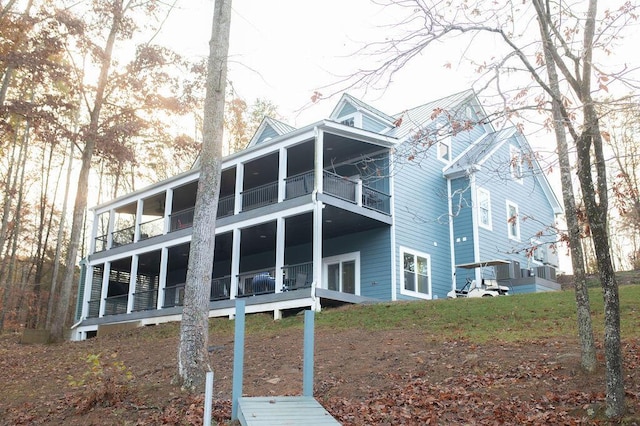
pixel 269 126
pixel 421 116
pixel 362 107
pixel 472 158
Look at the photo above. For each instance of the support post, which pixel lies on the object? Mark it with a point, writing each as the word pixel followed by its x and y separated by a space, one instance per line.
pixel 307 368
pixel 208 395
pixel 238 358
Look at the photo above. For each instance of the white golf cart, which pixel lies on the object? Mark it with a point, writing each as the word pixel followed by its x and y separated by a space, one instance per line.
pixel 488 287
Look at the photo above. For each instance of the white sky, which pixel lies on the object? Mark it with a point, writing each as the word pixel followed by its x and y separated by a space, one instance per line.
pixel 284 50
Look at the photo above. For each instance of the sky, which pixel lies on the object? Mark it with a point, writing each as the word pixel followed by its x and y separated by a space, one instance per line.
pixel 285 50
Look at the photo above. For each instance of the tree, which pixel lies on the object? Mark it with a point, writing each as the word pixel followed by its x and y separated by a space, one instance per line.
pixel 241 120
pixel 571 38
pixel 192 352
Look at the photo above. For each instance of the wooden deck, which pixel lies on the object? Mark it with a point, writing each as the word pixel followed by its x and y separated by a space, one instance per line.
pixel 282 410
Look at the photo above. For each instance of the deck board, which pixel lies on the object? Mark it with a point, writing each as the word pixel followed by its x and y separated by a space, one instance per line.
pixel 282 410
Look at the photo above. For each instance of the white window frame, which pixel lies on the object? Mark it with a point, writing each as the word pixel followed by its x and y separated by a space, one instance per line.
pixel 539 245
pixel 413 293
pixel 341 258
pixel 444 142
pixel 480 193
pixel 516 237
pixel 515 163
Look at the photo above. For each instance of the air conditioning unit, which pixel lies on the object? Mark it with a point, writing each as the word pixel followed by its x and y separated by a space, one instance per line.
pixel 508 271
pixel 546 272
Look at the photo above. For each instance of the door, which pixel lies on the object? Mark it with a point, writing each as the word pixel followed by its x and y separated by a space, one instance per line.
pixel 342 273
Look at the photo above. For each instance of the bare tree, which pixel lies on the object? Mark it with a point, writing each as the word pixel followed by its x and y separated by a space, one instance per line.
pixel 194 328
pixel 572 36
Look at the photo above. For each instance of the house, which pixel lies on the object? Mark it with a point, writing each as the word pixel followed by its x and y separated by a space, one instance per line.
pixel 362 206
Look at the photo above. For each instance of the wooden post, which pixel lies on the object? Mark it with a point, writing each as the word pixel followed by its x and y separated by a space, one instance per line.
pixel 307 368
pixel 238 358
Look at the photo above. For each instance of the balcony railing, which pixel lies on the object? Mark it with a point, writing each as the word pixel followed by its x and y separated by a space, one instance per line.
pixel 145 300
pixel 122 236
pixel 94 309
pixel 256 282
pixel 114 305
pixel 151 228
pixel 220 290
pixel 376 200
pixel 297 276
pixel 339 186
pixel 225 206
pixel 182 219
pixel 101 243
pixel 299 185
pixel 260 196
pixel 173 296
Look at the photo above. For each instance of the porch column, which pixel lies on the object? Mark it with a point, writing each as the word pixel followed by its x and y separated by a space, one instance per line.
pixel 168 202
pixel 235 263
pixel 237 208
pixel 86 296
pixel 280 242
pixel 132 282
pixel 318 160
pixel 317 252
pixel 138 221
pixel 105 287
pixel 162 279
pixel 282 175
pixel 94 233
pixel 112 217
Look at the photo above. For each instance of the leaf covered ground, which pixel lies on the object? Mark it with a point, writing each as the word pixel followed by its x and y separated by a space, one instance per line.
pixel 401 376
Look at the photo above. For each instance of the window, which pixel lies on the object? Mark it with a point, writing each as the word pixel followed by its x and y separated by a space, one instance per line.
pixel 444 150
pixel 513 221
pixel 539 251
pixel 416 273
pixel 348 122
pixel 515 163
pixel 484 208
pixel 342 273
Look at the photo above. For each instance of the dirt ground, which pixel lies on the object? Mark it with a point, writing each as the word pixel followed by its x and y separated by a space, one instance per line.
pixel 362 378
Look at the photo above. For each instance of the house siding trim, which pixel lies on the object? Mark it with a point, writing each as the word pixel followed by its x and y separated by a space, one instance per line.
pixel 452 248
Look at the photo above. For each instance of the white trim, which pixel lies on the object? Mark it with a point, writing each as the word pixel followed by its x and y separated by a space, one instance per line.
pixel 515 163
pixel 394 281
pixel 452 247
pixel 480 191
pixel 474 224
pixel 340 259
pixel 509 225
pixel 412 293
pixel 448 143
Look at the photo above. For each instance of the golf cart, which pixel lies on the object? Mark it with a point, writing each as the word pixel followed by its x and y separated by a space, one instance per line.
pixel 487 288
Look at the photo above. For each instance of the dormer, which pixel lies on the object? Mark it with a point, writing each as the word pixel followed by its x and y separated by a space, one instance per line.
pixel 355 113
pixel 270 128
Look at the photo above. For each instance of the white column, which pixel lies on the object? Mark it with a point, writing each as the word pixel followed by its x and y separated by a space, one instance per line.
pixel 318 161
pixel 88 284
pixel 132 282
pixel 138 221
pixel 168 202
pixel 105 287
pixel 282 175
pixel 317 251
pixel 112 217
pixel 94 233
pixel 235 262
pixel 162 279
pixel 239 186
pixel 280 247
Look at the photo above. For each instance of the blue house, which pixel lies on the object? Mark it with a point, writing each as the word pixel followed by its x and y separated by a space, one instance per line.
pixel 362 206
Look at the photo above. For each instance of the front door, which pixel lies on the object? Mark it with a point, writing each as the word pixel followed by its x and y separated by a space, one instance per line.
pixel 342 273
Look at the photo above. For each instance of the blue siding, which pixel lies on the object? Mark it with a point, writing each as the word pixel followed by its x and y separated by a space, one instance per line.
pixel 370 124
pixel 346 110
pixel 421 220
pixel 268 132
pixel 463 232
pixel 535 212
pixel 375 260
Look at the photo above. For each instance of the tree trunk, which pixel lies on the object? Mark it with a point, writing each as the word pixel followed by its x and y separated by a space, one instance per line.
pixel 60 317
pixel 583 309
pixel 193 359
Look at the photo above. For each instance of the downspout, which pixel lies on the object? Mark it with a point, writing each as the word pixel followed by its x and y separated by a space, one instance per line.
pixel 474 222
pixel 452 247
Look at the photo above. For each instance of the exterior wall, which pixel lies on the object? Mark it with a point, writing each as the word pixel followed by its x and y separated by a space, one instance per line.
pixel 268 132
pixel 346 110
pixel 372 125
pixel 534 211
pixel 375 263
pixel 463 232
pixel 421 221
